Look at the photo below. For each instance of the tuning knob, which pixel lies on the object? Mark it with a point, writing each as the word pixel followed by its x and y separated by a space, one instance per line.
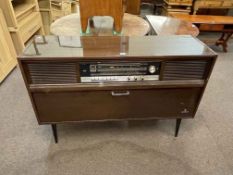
pixel 152 69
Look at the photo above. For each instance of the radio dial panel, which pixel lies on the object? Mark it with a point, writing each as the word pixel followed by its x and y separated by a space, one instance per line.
pixel 119 71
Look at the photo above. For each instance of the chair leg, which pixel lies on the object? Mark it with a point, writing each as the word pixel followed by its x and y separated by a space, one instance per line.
pixel 117 24
pixel 178 121
pixel 84 24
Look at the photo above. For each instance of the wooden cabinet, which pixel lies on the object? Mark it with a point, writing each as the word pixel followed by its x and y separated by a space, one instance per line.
pixel 179 2
pixel 8 55
pixel 215 4
pixel 23 20
pixel 46 14
pixel 70 84
pixel 176 6
pixel 61 8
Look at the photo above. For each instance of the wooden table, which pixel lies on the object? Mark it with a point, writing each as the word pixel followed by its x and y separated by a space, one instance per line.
pixel 223 24
pixel 101 26
pixel 162 25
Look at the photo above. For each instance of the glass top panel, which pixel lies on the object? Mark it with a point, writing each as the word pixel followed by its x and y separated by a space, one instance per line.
pixel 115 46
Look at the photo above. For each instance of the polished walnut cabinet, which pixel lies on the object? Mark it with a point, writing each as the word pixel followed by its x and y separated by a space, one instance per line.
pixel 52 68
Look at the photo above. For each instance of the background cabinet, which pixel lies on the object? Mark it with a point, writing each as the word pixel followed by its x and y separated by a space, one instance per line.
pixel 23 20
pixel 214 4
pixel 8 55
pixel 62 8
pixel 46 14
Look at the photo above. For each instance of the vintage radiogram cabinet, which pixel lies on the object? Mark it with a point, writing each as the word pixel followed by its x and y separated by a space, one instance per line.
pixel 74 79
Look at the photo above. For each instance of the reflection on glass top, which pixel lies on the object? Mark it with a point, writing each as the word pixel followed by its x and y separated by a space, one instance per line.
pixel 115 46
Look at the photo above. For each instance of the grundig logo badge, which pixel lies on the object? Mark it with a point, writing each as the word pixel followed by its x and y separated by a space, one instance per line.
pixel 185 111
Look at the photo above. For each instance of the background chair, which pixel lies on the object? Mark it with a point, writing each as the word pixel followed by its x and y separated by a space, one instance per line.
pixel 113 8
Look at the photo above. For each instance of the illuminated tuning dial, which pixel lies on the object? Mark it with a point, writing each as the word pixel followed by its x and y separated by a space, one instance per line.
pixel 152 69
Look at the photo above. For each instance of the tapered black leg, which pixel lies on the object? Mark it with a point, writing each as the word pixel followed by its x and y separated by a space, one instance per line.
pixel 178 121
pixel 54 128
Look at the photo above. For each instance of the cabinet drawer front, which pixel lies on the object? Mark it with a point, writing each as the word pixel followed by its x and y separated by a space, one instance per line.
pixel 200 3
pixel 180 1
pixel 228 3
pixel 32 25
pixel 110 105
pixel 214 3
pixel 210 27
pixel 208 3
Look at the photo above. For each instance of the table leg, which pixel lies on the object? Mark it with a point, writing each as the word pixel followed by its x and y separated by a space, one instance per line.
pixel 178 121
pixel 54 128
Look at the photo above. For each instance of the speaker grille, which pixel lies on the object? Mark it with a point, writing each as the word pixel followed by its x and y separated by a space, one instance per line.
pixel 52 73
pixel 184 70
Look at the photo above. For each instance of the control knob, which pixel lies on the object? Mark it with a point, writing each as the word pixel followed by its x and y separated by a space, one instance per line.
pixel 152 69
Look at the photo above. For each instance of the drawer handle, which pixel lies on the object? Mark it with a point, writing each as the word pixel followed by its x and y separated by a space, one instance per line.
pixel 115 94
